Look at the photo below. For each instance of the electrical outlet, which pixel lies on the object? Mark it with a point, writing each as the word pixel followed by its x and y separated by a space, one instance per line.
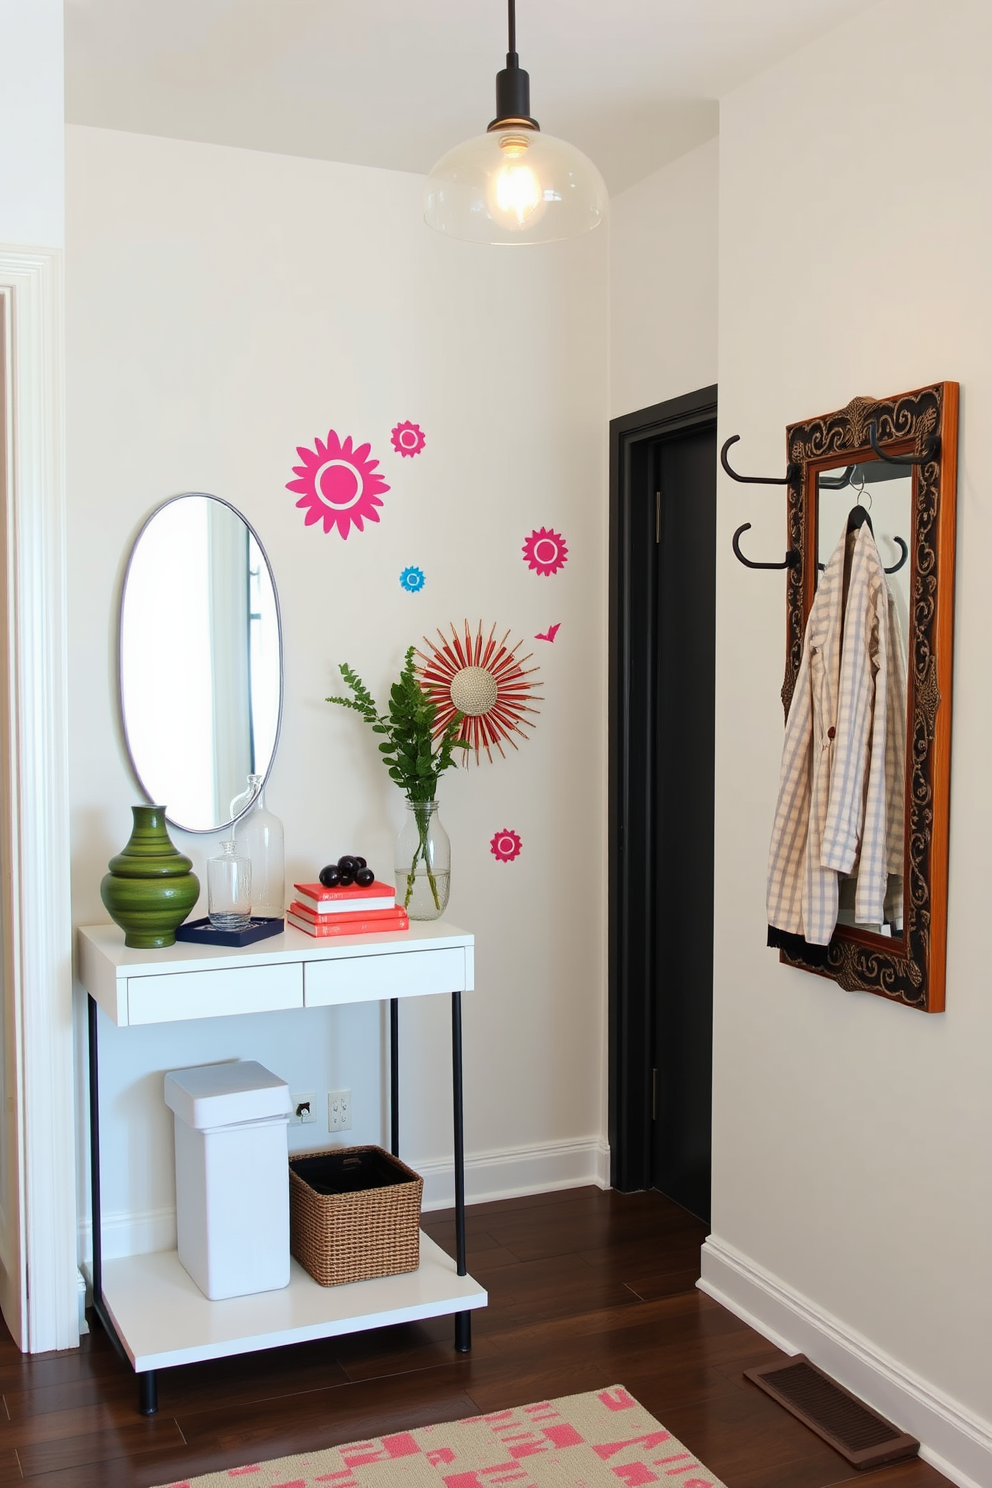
pixel 304 1109
pixel 339 1110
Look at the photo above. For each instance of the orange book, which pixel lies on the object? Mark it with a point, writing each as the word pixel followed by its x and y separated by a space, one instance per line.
pixel 324 928
pixel 350 900
pixel 306 913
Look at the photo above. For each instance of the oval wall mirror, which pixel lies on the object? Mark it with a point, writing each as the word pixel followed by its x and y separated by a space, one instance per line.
pixel 200 661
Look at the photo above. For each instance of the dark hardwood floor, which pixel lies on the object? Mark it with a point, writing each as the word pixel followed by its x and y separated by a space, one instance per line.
pixel 586 1289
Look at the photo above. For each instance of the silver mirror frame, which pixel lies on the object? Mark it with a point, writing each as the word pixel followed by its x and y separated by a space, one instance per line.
pixel 183 496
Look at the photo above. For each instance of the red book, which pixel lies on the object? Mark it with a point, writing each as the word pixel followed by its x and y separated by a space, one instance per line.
pixel 332 919
pixel 351 900
pixel 349 924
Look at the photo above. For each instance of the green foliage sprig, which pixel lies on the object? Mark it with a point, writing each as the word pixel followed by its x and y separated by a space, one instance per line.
pixel 414 759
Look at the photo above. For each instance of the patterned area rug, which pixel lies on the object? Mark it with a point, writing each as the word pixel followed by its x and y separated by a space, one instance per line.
pixel 600 1440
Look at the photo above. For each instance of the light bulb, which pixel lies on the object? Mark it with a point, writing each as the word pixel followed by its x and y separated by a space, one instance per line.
pixel 514 185
pixel 515 195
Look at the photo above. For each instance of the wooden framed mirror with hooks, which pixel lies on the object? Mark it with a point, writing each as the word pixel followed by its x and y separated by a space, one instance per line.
pixel 903 450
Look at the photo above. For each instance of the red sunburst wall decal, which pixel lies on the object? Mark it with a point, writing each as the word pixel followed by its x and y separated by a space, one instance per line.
pixel 485 679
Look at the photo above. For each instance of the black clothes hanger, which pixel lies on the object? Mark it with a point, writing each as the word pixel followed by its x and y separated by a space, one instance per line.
pixel 857 517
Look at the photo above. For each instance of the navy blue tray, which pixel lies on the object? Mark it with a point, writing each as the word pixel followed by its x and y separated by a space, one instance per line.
pixel 203 933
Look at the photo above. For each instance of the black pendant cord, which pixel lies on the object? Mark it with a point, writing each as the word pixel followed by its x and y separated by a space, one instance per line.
pixel 513 83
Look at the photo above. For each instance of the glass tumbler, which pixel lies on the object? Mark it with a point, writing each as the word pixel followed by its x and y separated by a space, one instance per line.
pixel 229 889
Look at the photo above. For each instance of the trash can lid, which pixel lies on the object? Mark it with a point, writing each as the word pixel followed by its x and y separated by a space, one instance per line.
pixel 223 1094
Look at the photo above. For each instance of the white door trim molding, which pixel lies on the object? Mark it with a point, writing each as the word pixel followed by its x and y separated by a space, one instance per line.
pixel 955 1442
pixel 36 848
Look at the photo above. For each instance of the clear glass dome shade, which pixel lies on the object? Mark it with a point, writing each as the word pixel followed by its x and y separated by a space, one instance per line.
pixel 514 185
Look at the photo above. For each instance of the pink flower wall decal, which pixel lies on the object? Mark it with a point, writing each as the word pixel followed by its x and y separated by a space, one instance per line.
pixel 545 551
pixel 408 439
pixel 338 484
pixel 505 846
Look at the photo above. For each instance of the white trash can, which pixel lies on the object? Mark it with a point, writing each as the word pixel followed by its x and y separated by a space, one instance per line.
pixel 232 1176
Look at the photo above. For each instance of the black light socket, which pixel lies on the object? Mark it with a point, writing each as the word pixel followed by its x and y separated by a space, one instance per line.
pixel 513 96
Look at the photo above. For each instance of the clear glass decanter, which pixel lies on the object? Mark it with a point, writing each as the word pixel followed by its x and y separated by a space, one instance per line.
pixel 242 802
pixel 260 838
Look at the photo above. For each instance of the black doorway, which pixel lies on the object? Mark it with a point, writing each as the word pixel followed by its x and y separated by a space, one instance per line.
pixel 662 673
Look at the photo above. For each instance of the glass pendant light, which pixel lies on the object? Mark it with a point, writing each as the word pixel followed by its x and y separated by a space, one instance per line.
pixel 514 184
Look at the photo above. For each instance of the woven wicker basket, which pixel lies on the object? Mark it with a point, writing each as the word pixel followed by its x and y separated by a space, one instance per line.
pixel 343 1237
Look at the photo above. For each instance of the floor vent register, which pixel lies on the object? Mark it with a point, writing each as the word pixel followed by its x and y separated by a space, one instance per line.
pixel 865 1438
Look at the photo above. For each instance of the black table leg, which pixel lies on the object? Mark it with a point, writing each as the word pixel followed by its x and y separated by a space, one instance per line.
pixel 463 1320
pixel 394 1075
pixel 147 1389
pixel 148 1392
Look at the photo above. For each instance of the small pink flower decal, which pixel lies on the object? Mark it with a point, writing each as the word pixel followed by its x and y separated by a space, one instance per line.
pixel 505 846
pixel 338 484
pixel 545 551
pixel 408 439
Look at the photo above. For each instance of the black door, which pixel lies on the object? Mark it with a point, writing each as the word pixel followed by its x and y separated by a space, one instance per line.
pixel 662 720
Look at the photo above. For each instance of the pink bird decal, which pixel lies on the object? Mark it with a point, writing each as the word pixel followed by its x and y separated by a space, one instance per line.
pixel 551 632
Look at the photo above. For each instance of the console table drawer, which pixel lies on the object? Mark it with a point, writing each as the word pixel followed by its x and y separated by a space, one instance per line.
pixel 369 978
pixel 214 994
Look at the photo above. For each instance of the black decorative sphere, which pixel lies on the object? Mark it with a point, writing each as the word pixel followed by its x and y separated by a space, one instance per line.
pixel 330 876
pixel 346 880
pixel 364 878
pixel 348 864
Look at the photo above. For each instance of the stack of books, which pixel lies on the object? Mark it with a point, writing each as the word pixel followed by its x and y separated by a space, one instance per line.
pixel 346 911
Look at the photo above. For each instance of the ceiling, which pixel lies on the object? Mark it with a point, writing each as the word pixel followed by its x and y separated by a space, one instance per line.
pixel 396 83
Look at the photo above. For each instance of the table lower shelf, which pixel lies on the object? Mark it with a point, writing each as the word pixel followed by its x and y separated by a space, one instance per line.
pixel 163 1319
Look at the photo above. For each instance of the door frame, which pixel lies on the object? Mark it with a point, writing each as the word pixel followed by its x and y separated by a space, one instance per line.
pixel 40 1302
pixel 630 909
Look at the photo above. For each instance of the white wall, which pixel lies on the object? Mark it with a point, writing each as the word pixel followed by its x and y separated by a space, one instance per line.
pixel 852 1138
pixel 225 306
pixel 663 283
pixel 32 114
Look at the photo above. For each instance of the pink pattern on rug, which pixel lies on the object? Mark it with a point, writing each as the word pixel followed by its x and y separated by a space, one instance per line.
pixel 635 1473
pixel 575 1439
pixel 652 1439
pixel 617 1400
pixel 564 1435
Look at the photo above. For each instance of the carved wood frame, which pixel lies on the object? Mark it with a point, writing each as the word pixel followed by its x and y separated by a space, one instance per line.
pixel 911 970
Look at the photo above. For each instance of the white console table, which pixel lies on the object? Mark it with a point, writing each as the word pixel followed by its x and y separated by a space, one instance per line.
pixel 148 1304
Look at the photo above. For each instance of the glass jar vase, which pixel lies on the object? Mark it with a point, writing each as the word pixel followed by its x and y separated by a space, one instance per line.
pixel 423 862
pixel 229 889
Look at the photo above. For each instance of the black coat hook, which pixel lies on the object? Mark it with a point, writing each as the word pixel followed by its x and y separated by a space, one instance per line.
pixel 789 479
pixel 931 448
pixel 836 483
pixel 791 557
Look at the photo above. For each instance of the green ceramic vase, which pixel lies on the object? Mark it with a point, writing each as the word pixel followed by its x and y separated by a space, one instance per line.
pixel 149 890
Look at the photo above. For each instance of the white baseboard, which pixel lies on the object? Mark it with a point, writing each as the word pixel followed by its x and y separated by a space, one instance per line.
pixel 952 1440
pixel 124 1234
pixel 541 1168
